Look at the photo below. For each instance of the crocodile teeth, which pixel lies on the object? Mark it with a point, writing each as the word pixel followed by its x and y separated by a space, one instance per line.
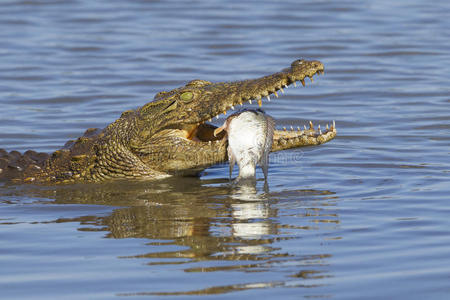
pixel 275 92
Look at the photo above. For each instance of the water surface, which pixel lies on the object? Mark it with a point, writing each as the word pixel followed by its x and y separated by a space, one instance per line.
pixel 363 216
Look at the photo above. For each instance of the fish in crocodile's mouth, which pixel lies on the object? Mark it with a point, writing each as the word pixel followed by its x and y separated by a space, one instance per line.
pixel 250 137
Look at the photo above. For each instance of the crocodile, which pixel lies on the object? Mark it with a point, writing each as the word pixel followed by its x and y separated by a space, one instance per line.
pixel 171 135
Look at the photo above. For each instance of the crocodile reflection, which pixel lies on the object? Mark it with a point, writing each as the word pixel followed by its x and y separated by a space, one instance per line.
pixel 205 220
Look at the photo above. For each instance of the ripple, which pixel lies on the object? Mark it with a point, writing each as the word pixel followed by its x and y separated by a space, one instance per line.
pixel 365 210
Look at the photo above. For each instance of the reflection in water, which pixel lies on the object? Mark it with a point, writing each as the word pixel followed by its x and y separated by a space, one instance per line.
pixel 235 226
pixel 250 219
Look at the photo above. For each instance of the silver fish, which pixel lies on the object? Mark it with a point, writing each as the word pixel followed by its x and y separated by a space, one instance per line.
pixel 250 138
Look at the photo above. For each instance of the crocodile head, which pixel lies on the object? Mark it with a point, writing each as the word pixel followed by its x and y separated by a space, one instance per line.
pixel 200 100
pixel 174 135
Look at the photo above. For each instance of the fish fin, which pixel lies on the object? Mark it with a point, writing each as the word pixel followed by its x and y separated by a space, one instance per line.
pixel 267 145
pixel 270 131
pixel 265 164
pixel 232 161
pixel 269 138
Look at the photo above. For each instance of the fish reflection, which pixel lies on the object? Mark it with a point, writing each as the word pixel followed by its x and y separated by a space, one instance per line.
pixel 251 221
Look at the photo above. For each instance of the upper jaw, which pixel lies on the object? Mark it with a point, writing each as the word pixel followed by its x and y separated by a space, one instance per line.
pixel 236 94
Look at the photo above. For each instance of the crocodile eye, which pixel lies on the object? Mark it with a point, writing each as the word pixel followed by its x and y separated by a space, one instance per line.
pixel 186 97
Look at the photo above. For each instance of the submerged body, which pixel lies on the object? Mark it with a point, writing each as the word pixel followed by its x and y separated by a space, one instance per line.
pixel 250 138
pixel 167 136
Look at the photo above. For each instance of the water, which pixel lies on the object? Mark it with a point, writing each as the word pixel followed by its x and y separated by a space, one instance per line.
pixel 364 216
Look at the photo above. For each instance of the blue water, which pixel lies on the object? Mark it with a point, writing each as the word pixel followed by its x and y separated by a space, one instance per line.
pixel 365 216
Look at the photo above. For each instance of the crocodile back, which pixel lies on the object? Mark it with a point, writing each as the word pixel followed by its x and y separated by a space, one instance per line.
pixel 13 165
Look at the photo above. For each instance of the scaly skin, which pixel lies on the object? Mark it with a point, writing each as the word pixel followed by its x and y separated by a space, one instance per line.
pixel 165 137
